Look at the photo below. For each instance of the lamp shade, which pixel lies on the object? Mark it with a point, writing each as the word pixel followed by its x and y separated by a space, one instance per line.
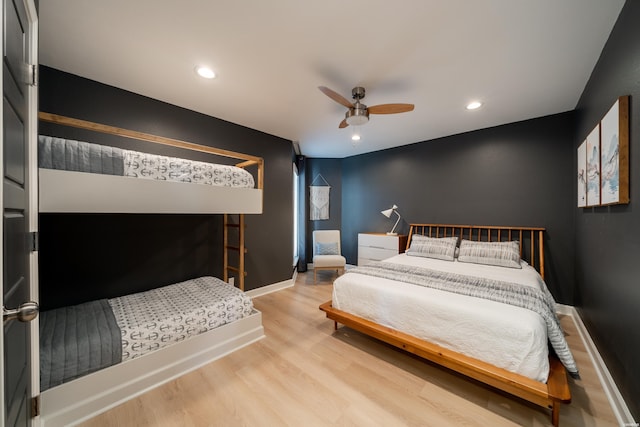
pixel 388 213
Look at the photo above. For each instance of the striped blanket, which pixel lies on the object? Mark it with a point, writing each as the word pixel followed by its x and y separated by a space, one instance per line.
pixel 539 301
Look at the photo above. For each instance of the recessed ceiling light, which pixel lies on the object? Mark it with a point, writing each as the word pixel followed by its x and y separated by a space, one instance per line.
pixel 205 72
pixel 474 105
pixel 355 137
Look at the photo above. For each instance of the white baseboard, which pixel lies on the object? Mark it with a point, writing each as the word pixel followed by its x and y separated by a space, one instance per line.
pixel 273 287
pixel 620 408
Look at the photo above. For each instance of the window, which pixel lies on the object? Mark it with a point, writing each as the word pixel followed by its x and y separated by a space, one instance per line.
pixel 295 214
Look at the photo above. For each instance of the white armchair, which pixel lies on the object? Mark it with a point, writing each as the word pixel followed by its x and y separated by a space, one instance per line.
pixel 327 253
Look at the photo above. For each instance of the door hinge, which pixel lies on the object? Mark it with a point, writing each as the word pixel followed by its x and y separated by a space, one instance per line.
pixel 35 406
pixel 34 241
pixel 33 75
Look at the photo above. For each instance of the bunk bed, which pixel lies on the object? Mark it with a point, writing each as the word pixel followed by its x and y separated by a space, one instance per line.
pixel 133 360
pixel 431 302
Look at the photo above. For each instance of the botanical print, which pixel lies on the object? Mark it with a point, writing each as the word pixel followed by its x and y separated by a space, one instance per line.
pixel 593 167
pixel 582 175
pixel 610 157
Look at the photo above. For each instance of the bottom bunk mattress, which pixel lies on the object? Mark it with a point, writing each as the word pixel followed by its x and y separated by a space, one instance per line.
pixel 504 335
pixel 78 340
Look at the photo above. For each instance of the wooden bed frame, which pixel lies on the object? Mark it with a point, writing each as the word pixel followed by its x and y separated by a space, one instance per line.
pixel 548 395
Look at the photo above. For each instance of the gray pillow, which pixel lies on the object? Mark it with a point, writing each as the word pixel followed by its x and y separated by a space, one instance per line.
pixel 433 247
pixel 327 248
pixel 503 254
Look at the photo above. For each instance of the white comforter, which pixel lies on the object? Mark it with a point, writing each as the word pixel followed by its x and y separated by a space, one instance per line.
pixel 506 336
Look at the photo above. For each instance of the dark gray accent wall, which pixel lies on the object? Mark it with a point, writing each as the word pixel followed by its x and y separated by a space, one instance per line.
pixel 92 256
pixel 608 238
pixel 73 96
pixel 519 174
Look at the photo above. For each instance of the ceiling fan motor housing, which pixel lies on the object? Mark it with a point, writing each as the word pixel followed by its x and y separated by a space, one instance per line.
pixel 357 93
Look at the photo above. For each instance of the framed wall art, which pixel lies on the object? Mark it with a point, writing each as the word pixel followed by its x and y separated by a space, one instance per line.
pixel 582 175
pixel 614 154
pixel 593 167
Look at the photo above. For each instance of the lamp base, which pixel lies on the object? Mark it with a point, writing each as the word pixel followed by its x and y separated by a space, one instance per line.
pixel 392 234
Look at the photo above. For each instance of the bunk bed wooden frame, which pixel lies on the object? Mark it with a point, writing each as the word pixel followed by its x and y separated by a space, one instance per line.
pixel 67 191
pixel 548 395
pixel 87 396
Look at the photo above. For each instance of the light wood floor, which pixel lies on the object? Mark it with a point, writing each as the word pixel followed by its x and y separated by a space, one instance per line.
pixel 305 374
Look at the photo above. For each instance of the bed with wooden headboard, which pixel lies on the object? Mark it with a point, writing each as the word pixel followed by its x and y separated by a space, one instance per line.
pixel 458 328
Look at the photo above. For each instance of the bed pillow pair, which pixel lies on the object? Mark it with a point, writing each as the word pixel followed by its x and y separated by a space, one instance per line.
pixel 443 248
pixel 502 254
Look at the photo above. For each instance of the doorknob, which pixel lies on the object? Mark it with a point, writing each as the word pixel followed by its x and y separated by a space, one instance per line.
pixel 25 313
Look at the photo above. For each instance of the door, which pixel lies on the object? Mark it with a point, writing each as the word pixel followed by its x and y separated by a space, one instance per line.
pixel 18 136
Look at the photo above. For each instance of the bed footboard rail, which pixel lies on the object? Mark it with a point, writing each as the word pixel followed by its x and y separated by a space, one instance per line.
pixel 531 239
pixel 547 395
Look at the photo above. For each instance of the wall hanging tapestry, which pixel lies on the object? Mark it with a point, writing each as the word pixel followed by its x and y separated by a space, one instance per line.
pixel 319 199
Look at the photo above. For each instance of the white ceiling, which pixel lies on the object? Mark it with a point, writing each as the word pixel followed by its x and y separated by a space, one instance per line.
pixel 521 58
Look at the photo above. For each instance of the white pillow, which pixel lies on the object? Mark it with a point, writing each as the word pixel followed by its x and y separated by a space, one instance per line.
pixel 503 254
pixel 433 247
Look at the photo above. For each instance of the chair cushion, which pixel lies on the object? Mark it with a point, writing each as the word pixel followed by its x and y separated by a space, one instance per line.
pixel 337 261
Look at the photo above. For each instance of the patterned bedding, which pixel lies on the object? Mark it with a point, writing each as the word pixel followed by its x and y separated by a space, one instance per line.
pixel 78 340
pixel 157 318
pixel 80 156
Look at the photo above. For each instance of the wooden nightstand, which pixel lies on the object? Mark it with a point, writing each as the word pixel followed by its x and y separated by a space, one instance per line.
pixel 379 246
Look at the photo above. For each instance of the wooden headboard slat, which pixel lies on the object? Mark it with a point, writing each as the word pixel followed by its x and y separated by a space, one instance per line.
pixel 535 235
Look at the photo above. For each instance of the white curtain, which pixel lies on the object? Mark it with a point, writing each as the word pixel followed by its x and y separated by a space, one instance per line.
pixel 319 201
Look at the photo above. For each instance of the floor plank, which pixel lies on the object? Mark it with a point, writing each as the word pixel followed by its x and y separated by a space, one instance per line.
pixel 305 374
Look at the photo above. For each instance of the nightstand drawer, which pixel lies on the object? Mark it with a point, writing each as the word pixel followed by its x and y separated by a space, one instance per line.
pixel 379 246
pixel 378 241
pixel 375 253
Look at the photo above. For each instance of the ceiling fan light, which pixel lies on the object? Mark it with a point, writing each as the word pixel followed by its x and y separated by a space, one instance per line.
pixel 357 116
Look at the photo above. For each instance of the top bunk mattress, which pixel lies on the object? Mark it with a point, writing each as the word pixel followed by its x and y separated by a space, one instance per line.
pixel 80 156
pixel 82 177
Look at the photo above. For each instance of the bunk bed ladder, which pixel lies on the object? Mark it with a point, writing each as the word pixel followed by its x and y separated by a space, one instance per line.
pixel 234 229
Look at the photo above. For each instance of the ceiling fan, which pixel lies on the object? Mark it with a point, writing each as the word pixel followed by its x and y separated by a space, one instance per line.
pixel 358 113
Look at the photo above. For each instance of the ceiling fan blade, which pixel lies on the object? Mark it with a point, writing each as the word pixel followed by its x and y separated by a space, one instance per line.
pixel 335 96
pixel 390 108
pixel 343 124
